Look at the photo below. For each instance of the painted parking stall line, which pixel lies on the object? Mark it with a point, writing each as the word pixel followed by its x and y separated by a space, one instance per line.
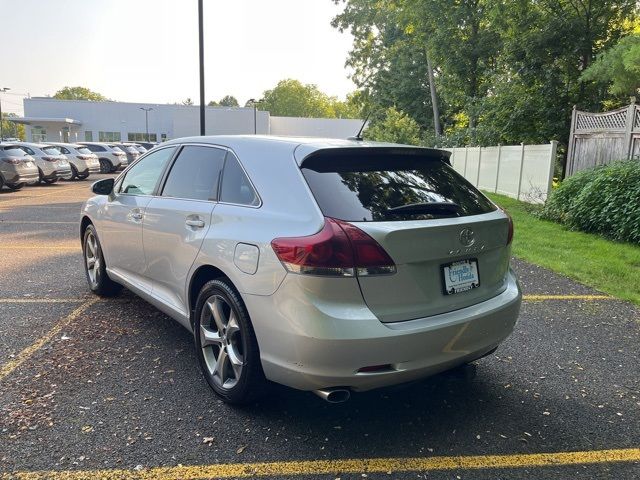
pixel 25 354
pixel 338 467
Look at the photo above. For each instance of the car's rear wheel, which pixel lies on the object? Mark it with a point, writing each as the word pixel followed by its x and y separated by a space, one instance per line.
pixel 95 267
pixel 105 166
pixel 82 176
pixel 226 344
pixel 50 181
pixel 16 186
pixel 74 172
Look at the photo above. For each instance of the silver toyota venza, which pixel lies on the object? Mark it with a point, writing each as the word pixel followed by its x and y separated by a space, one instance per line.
pixel 324 265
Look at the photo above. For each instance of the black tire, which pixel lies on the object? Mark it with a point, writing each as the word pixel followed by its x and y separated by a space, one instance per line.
pixel 1 182
pixel 105 165
pixel 50 181
pixel 251 383
pixel 74 172
pixel 82 176
pixel 99 283
pixel 16 186
pixel 114 169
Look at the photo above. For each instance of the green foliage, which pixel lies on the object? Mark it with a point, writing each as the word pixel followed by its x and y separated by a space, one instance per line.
pixel 229 101
pixel 396 127
pixel 506 71
pixel 10 129
pixel 291 98
pixel 604 200
pixel 79 93
pixel 619 66
pixel 187 101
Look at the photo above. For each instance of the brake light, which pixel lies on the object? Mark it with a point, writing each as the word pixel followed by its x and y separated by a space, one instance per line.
pixel 510 232
pixel 12 161
pixel 49 159
pixel 339 249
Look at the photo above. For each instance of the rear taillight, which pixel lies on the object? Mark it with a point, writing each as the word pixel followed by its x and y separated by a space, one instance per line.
pixel 12 161
pixel 510 232
pixel 49 159
pixel 339 249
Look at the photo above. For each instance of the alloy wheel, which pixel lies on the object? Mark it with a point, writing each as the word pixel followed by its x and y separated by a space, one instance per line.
pixel 221 342
pixel 92 258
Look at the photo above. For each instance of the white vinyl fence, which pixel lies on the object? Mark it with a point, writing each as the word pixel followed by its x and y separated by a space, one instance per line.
pixel 524 172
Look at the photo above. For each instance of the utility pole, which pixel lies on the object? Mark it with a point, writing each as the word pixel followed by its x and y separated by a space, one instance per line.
pixel 2 90
pixel 254 102
pixel 146 119
pixel 434 97
pixel 201 44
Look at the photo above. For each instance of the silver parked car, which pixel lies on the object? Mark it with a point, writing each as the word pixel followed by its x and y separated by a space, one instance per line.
pixel 17 168
pixel 82 161
pixel 325 265
pixel 52 164
pixel 110 158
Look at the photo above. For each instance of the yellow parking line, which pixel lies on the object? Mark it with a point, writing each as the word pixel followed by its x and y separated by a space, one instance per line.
pixel 336 467
pixel 539 298
pixel 41 300
pixel 24 355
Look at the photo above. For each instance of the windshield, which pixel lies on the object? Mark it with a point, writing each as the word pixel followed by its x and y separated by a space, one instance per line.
pixel 391 188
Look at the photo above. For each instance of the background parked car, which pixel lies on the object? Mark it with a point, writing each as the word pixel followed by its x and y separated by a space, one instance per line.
pixel 17 167
pixel 147 145
pixel 137 146
pixel 130 150
pixel 83 162
pixel 110 158
pixel 52 164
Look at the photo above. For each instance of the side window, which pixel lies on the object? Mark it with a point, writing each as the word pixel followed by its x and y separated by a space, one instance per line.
pixel 28 150
pixel 141 179
pixel 64 150
pixel 195 173
pixel 236 187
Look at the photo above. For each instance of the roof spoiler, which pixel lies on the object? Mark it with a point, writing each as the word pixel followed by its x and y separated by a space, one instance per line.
pixel 367 156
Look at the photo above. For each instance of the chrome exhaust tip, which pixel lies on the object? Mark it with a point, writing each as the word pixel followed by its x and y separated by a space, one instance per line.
pixel 333 395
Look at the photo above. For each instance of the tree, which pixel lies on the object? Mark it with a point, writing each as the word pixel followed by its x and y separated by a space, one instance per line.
pixel 79 93
pixel 396 127
pixel 290 98
pixel 619 67
pixel 213 103
pixel 228 101
pixel 188 101
pixel 11 129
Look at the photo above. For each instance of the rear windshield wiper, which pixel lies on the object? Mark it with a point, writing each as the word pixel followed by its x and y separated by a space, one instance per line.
pixel 437 208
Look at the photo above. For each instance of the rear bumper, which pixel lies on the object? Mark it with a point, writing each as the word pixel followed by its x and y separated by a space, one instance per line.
pixel 308 345
pixel 23 177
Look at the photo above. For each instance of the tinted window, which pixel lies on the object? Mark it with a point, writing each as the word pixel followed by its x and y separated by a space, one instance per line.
pixel 141 179
pixel 14 151
pixel 195 173
pixel 64 150
pixel 388 186
pixel 84 150
pixel 28 150
pixel 96 148
pixel 236 187
pixel 51 150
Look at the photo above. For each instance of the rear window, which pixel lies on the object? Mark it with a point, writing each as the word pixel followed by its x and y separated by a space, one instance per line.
pixel 51 150
pixel 370 185
pixel 14 151
pixel 84 150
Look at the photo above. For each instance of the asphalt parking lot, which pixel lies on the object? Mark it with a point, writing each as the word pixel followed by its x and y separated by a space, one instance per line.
pixel 111 389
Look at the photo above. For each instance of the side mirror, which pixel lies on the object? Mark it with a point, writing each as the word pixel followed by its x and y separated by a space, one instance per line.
pixel 103 187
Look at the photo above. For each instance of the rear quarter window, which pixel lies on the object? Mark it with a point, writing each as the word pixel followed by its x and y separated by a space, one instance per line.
pixel 369 185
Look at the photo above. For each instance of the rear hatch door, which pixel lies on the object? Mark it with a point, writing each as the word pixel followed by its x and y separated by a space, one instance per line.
pixel 448 241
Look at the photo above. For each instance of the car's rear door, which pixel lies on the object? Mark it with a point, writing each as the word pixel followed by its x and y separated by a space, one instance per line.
pixel 448 241
pixel 177 220
pixel 120 228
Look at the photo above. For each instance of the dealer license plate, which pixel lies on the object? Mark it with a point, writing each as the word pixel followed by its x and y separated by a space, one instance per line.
pixel 460 276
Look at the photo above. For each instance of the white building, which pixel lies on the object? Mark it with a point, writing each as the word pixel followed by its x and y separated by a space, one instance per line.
pixel 48 119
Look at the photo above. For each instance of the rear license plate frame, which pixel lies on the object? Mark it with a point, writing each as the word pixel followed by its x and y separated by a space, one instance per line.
pixel 460 287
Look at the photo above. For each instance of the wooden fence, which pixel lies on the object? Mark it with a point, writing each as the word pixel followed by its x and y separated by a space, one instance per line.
pixel 521 171
pixel 601 138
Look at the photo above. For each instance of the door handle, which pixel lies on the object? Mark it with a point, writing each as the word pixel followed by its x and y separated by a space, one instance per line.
pixel 194 223
pixel 136 214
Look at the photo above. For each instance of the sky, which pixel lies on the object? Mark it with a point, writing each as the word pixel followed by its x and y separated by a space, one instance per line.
pixel 147 50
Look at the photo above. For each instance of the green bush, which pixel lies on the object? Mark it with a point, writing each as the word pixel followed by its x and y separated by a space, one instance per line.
pixel 603 200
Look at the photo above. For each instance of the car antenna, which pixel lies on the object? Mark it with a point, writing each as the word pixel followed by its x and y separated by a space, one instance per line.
pixel 358 136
